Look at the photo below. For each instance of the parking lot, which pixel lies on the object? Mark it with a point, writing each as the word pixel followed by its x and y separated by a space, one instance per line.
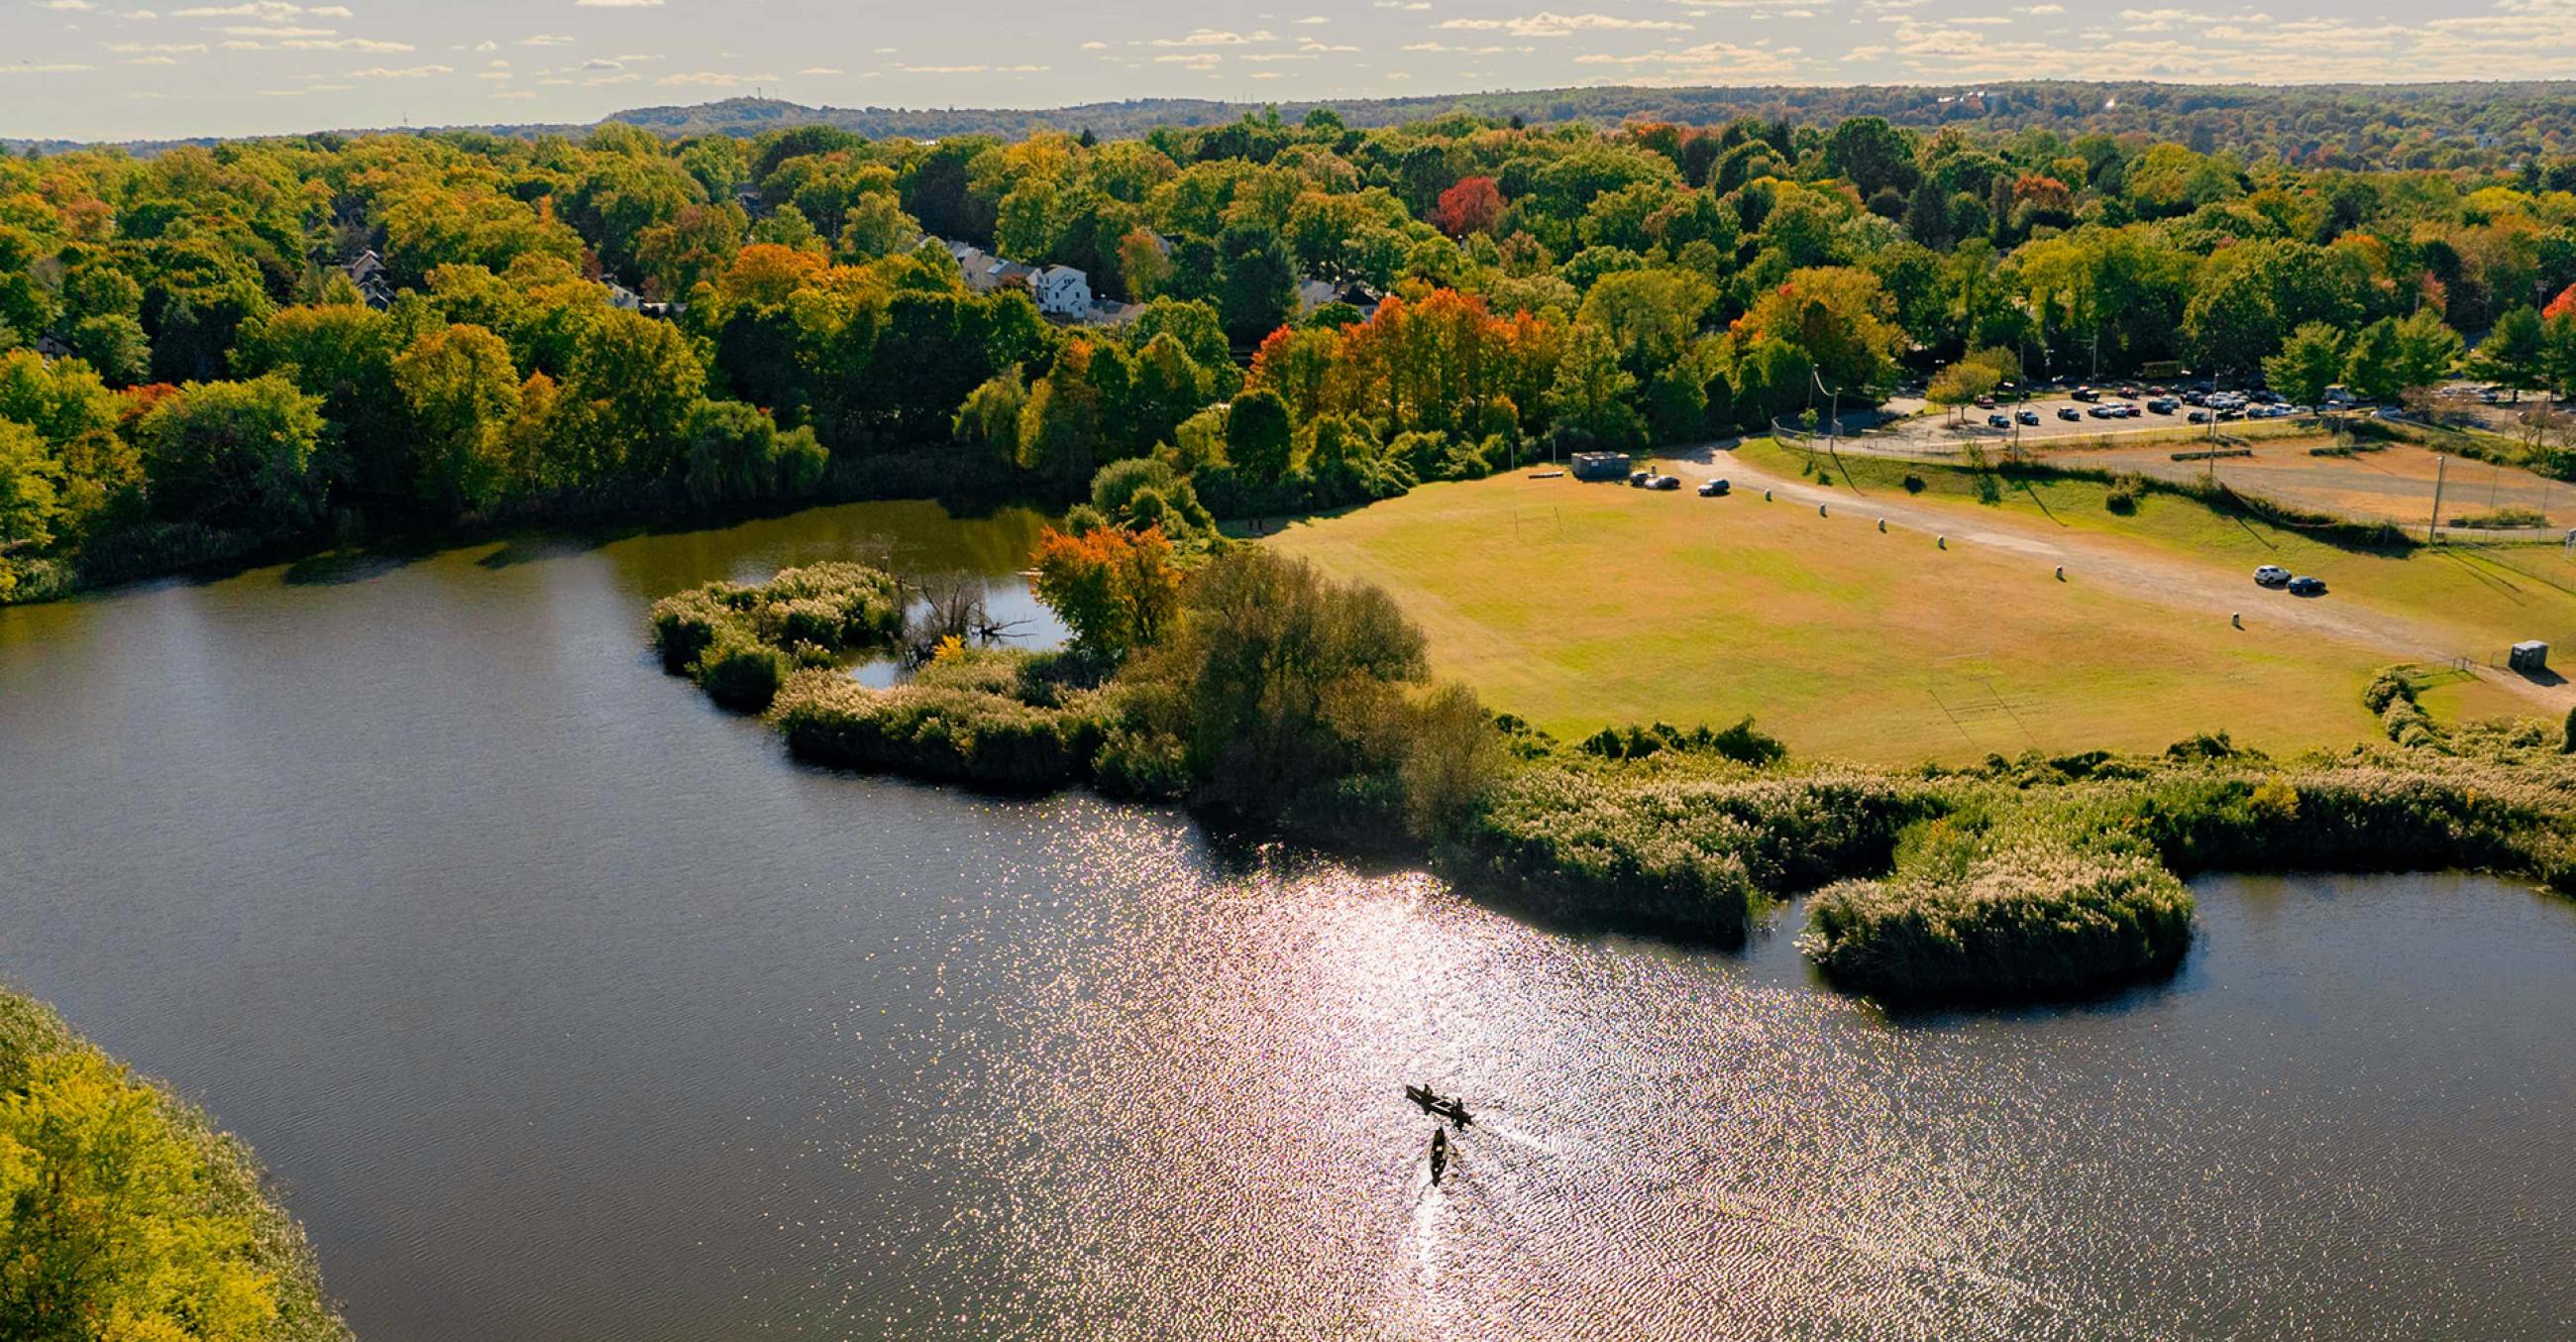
pixel 2061 418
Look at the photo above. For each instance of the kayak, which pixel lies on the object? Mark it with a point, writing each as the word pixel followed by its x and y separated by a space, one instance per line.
pixel 1432 1102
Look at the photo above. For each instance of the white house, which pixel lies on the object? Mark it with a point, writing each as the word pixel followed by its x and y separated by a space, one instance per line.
pixel 1062 291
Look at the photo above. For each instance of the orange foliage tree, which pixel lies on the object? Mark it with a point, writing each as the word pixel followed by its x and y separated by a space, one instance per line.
pixel 1439 364
pixel 1117 590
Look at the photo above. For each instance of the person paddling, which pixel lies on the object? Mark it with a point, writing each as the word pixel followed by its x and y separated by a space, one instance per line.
pixel 1439 1153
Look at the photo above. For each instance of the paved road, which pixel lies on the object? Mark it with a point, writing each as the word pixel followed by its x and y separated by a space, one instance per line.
pixel 2202 590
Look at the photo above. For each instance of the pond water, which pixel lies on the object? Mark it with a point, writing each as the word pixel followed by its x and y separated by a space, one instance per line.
pixel 564 1005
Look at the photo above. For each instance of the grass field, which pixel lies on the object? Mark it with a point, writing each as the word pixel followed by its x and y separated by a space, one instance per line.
pixel 1582 605
pixel 2395 481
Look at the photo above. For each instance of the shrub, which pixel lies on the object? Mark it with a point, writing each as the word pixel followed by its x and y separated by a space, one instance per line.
pixel 740 643
pixel 955 728
pixel 1913 483
pixel 741 672
pixel 2032 920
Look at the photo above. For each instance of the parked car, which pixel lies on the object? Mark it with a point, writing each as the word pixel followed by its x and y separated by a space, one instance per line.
pixel 2070 412
pixel 2307 587
pixel 2104 412
pixel 1665 482
pixel 2027 416
pixel 1999 420
pixel 1714 489
pixel 1985 403
pixel 1640 479
pixel 2271 575
pixel 2164 405
pixel 2198 417
pixel 2085 394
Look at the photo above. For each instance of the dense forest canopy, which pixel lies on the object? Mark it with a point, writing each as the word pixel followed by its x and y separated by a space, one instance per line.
pixel 216 348
pixel 2431 125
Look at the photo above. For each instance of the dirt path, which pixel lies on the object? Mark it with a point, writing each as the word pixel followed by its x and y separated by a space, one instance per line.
pixel 2200 590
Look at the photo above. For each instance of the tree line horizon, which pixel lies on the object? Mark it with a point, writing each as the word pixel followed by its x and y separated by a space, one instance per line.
pixel 188 373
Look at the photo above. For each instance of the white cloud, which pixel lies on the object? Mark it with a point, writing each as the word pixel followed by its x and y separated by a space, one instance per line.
pixel 1562 25
pixel 822 70
pixel 617 4
pixel 1709 60
pixel 368 45
pixel 273 11
pixel 1210 37
pixel 547 40
pixel 58 68
pixel 713 79
pixel 405 72
pixel 65 6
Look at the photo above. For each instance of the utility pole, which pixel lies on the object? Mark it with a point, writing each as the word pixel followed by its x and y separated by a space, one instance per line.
pixel 2433 528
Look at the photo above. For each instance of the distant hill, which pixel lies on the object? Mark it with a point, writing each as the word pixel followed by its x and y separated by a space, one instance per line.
pixel 2376 123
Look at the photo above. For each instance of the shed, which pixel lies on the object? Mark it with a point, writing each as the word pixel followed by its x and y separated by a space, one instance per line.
pixel 1600 465
pixel 2531 656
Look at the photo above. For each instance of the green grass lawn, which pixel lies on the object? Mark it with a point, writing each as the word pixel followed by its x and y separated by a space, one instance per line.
pixel 1580 606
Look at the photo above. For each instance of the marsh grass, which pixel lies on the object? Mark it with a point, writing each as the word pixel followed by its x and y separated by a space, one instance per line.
pixel 741 643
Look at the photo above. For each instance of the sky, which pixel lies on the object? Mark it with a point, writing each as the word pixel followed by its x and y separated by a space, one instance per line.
pixel 117 69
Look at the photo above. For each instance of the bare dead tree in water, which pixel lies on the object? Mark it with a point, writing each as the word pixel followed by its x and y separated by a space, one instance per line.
pixel 951 608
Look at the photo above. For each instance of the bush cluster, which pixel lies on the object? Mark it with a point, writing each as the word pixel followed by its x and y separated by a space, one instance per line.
pixel 741 643
pixel 966 718
pixel 2032 919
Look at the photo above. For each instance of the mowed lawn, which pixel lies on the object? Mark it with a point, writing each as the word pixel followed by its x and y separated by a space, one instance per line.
pixel 1583 605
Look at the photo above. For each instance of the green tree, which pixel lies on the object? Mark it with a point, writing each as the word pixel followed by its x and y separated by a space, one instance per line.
pixel 1961 384
pixel 463 394
pixel 2427 349
pixel 1594 393
pixel 115 345
pixel 29 501
pixel 2514 354
pixel 989 421
pixel 1256 289
pixel 2309 362
pixel 1259 435
pixel 235 455
pixel 1872 155
pixel 736 452
pixel 2372 368
pixel 111 1231
pixel 1649 315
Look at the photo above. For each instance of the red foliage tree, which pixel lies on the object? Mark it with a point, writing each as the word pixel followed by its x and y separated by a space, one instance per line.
pixel 2564 305
pixel 1471 206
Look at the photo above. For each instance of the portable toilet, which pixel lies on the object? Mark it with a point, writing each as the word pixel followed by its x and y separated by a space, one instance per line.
pixel 2531 657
